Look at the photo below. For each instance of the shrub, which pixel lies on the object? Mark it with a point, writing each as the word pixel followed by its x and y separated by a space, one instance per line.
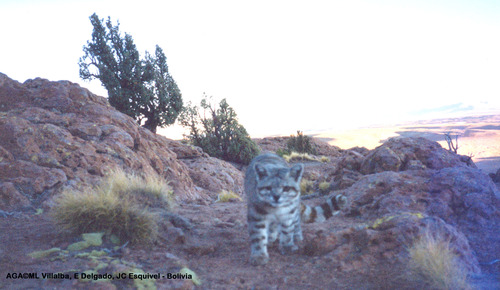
pixel 300 143
pixel 282 152
pixel 324 159
pixel 220 135
pixel 119 206
pixel 433 263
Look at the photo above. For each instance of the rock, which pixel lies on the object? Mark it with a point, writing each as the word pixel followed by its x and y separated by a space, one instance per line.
pixel 381 159
pixel 363 250
pixel 30 179
pixel 468 199
pixel 325 149
pixel 175 236
pixel 186 151
pixel 494 176
pixel 271 144
pixel 351 160
pixel 462 200
pixel 214 175
pixel 345 178
pixel 400 154
pixel 385 193
pixel 11 198
pixel 57 135
pixel 5 155
pixel 200 248
pixel 86 131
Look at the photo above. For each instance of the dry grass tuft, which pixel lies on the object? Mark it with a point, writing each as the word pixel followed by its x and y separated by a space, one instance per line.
pixel 106 212
pixel 433 263
pixel 294 156
pixel 324 187
pixel 306 186
pixel 119 205
pixel 151 191
pixel 324 159
pixel 226 196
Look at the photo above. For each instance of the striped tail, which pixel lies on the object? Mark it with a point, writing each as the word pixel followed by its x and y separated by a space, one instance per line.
pixel 320 213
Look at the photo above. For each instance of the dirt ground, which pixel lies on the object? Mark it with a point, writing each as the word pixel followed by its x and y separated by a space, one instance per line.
pixel 216 249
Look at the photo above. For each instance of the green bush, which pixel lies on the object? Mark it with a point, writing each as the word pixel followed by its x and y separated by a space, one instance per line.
pixel 282 152
pixel 300 143
pixel 218 132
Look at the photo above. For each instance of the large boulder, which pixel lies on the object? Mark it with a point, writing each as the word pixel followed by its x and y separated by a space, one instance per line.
pixel 400 154
pixel 467 199
pixel 57 135
pixel 384 243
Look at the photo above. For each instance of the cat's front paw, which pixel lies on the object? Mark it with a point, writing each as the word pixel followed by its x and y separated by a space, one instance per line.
pixel 257 260
pixel 288 249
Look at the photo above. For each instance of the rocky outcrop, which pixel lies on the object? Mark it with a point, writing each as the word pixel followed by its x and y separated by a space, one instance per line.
pixel 272 144
pixel 411 186
pixel 400 154
pixel 384 243
pixel 59 135
pixel 467 199
pixel 213 175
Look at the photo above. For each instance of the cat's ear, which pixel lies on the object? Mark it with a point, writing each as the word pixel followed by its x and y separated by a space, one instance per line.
pixel 296 172
pixel 261 171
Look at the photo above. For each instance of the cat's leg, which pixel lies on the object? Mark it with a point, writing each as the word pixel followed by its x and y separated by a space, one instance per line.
pixel 274 229
pixel 298 228
pixel 288 230
pixel 258 230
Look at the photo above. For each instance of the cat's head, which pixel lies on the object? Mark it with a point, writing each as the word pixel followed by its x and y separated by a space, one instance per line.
pixel 277 185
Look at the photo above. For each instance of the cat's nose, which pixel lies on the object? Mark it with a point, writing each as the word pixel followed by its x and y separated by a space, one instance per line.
pixel 276 197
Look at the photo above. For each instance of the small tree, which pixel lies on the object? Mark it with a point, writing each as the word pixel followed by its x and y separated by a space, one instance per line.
pixel 217 132
pixel 163 99
pixel 142 89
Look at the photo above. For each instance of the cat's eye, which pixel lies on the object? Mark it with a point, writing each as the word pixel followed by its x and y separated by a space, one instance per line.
pixel 267 189
pixel 287 189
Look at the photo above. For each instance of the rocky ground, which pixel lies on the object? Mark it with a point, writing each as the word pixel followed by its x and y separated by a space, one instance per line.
pixel 57 136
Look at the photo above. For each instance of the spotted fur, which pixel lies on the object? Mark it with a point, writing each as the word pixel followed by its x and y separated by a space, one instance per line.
pixel 274 208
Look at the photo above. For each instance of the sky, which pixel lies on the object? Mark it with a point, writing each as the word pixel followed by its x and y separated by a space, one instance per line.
pixel 284 65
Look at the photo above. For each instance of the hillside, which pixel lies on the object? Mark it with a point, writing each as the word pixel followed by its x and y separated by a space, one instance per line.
pixel 57 137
